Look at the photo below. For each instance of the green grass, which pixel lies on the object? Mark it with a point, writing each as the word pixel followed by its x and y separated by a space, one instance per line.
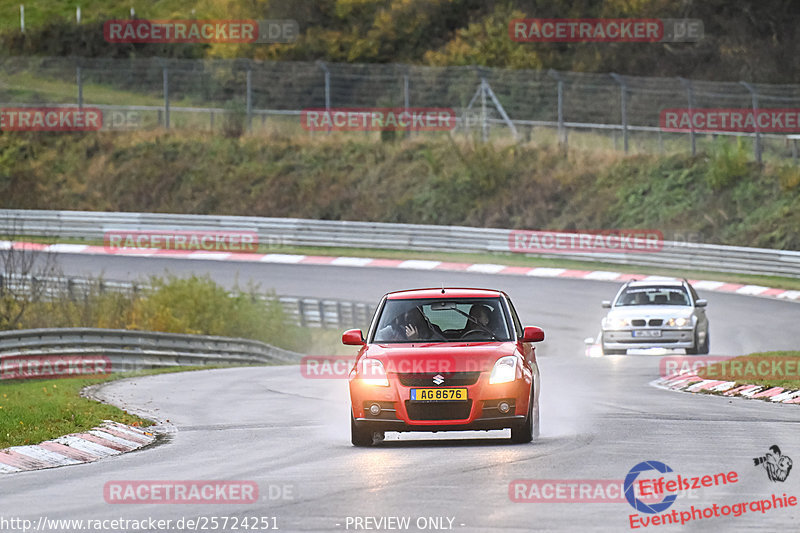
pixel 780 377
pixel 33 411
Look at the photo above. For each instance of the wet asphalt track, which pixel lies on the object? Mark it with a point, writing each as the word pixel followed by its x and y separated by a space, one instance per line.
pixel 599 418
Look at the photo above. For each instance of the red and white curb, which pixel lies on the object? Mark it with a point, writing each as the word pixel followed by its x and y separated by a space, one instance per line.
pixel 410 264
pixel 691 382
pixel 112 438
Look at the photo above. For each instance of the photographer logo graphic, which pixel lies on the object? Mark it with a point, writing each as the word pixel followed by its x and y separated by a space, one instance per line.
pixel 777 466
pixel 630 494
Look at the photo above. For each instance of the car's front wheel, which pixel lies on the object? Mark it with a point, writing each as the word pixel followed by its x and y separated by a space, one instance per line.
pixel 359 435
pixel 530 429
pixel 700 349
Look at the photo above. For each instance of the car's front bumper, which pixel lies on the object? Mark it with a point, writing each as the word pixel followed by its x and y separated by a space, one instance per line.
pixel 480 424
pixel 625 339
pixel 479 412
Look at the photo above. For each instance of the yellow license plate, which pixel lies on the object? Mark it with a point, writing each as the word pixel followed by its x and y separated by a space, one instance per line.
pixel 438 395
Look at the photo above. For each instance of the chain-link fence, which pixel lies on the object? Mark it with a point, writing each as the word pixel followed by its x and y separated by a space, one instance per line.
pixel 603 111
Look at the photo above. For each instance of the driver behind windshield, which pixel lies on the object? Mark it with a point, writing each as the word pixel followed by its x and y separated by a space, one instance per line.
pixel 480 316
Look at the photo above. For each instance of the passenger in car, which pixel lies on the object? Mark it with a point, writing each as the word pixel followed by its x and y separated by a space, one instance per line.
pixel 407 326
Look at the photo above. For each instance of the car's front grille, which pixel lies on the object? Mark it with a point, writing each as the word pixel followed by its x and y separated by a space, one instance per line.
pixel 642 322
pixel 438 410
pixel 446 379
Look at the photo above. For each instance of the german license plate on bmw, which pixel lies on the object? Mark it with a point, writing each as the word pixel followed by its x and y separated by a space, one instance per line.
pixel 438 395
pixel 647 333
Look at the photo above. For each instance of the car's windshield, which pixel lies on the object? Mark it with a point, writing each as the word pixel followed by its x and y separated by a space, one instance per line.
pixel 653 296
pixel 443 320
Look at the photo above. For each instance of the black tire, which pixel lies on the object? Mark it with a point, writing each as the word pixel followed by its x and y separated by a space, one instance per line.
pixel 529 430
pixel 704 348
pixel 701 349
pixel 609 351
pixel 359 435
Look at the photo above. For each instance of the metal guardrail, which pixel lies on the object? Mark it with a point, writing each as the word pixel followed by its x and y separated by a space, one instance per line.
pixel 131 350
pixel 302 232
pixel 305 312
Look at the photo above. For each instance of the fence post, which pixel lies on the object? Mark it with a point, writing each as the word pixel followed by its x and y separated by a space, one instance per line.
pixel 562 131
pixel 166 97
pixel 249 98
pixel 623 90
pixel 406 97
pixel 79 79
pixel 754 95
pixel 484 123
pixel 327 72
pixel 690 97
pixel 22 18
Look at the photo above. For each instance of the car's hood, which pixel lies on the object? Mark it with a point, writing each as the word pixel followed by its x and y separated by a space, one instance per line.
pixel 440 357
pixel 651 311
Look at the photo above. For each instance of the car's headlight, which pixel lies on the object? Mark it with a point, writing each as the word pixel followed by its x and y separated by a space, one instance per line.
pixel 679 322
pixel 616 323
pixel 505 370
pixel 372 372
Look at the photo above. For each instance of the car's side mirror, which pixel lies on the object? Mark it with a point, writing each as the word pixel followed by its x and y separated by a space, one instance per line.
pixel 701 303
pixel 532 334
pixel 353 337
pixel 606 304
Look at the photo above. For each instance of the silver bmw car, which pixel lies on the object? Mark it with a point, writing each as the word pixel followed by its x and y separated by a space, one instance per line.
pixel 655 314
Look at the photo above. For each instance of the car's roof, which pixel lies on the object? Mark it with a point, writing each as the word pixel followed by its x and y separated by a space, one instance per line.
pixel 449 292
pixel 657 283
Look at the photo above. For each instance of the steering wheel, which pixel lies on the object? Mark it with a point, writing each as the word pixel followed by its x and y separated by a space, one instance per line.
pixel 472 331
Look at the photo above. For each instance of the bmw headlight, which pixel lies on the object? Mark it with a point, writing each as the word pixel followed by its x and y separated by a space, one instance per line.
pixel 617 322
pixel 505 370
pixel 678 322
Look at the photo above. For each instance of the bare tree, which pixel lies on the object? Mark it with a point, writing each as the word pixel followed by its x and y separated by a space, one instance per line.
pixel 28 274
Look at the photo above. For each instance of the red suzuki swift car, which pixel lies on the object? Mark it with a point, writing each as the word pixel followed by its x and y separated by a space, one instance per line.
pixel 445 359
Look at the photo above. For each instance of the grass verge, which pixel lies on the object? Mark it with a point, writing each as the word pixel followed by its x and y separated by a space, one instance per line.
pixel 34 411
pixel 768 369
